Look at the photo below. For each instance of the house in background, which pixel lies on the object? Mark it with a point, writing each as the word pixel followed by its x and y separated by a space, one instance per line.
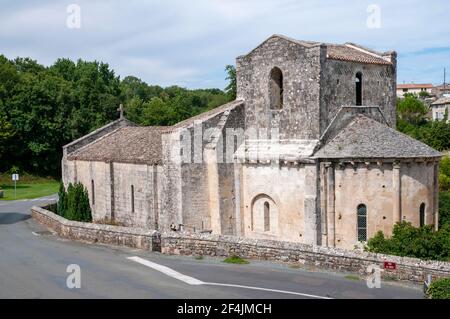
pixel 413 88
pixel 439 107
pixel 441 90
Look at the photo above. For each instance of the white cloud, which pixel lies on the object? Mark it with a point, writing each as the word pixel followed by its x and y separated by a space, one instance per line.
pixel 190 42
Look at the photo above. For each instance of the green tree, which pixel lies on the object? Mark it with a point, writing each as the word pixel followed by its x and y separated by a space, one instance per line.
pixel 424 94
pixel 6 135
pixel 231 88
pixel 411 109
pixel 439 289
pixel 48 107
pixel 62 200
pixel 157 112
pixel 444 208
pixel 407 240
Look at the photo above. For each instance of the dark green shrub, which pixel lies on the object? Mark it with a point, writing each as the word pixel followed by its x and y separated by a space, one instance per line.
pixel 444 182
pixel 444 208
pixel 444 166
pixel 78 207
pixel 62 201
pixel 439 289
pixel 410 241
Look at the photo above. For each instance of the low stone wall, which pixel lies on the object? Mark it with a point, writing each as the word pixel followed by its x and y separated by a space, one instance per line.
pixel 97 233
pixel 176 243
pixel 410 269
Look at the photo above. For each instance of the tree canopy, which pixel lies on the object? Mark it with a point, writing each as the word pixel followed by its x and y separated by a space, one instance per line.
pixel 411 120
pixel 43 108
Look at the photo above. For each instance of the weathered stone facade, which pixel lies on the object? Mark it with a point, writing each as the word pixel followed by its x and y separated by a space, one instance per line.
pixel 307 153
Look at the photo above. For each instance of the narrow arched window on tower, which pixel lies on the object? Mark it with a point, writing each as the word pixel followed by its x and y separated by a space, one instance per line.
pixel 132 198
pixel 358 87
pixel 266 216
pixel 362 222
pixel 93 192
pixel 276 89
pixel 422 215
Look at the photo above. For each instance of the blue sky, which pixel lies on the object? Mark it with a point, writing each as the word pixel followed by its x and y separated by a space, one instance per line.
pixel 188 43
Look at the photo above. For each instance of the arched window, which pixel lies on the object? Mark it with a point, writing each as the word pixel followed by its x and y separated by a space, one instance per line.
pixel 266 216
pixel 93 191
pixel 422 215
pixel 362 222
pixel 358 87
pixel 132 198
pixel 276 89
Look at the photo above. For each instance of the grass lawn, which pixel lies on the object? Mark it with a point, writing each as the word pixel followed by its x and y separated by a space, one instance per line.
pixel 28 187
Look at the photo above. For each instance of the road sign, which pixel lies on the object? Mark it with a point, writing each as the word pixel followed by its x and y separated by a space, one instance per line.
pixel 15 178
pixel 390 265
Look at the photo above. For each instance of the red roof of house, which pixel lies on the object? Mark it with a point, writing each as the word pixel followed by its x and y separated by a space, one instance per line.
pixel 414 86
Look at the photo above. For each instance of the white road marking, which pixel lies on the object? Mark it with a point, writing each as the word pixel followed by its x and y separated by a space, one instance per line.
pixel 193 281
pixel 267 289
pixel 167 271
pixel 35 234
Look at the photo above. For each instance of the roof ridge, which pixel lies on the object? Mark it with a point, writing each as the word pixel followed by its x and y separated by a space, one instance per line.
pixel 364 49
pixel 305 43
pixel 206 115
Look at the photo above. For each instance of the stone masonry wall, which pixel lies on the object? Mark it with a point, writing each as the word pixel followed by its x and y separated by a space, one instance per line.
pixel 299 116
pixel 97 233
pixel 410 269
pixel 338 88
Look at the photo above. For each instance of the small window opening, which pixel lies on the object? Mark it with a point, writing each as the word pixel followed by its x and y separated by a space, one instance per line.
pixel 362 222
pixel 358 84
pixel 266 216
pixel 276 89
pixel 132 198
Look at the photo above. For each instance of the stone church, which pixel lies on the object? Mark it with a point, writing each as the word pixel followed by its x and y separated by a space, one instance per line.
pixel 308 152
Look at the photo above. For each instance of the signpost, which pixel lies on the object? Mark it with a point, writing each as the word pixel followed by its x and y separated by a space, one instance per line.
pixel 15 178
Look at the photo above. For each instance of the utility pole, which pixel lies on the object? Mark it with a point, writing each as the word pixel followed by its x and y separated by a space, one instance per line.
pixel 444 82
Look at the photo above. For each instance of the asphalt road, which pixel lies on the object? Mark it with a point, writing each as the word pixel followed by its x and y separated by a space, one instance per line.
pixel 33 264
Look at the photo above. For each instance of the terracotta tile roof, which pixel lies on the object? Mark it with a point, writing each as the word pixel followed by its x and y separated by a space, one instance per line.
pixel 345 52
pixel 442 100
pixel 414 86
pixel 137 145
pixel 364 137
pixel 351 53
